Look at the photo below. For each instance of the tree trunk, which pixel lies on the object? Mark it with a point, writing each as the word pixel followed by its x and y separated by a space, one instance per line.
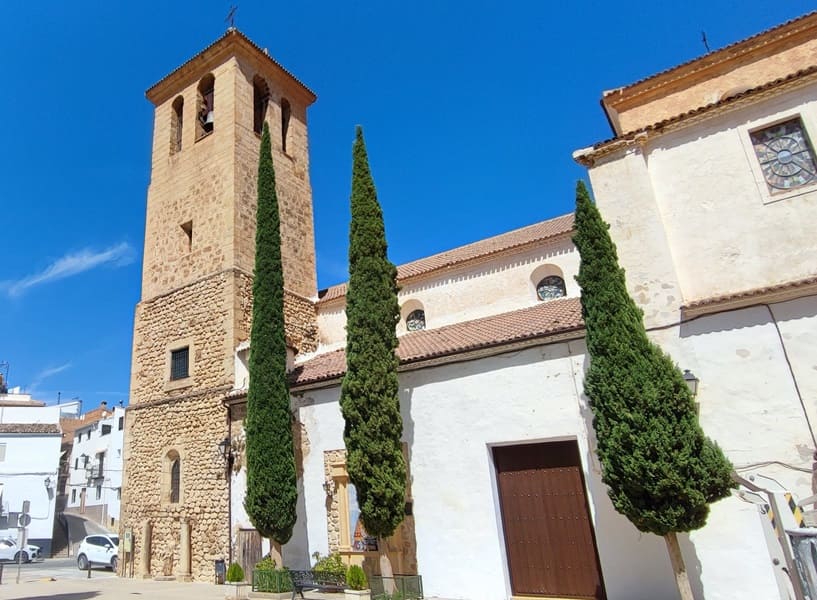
pixel 275 553
pixel 386 571
pixel 678 567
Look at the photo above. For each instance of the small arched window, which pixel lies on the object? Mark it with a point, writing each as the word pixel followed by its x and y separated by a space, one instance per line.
pixel 172 478
pixel 175 480
pixel 286 113
pixel 205 107
pixel 260 100
pixel 416 320
pixel 176 121
pixel 551 287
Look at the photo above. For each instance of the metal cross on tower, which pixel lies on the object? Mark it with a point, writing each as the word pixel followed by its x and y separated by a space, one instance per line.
pixel 231 17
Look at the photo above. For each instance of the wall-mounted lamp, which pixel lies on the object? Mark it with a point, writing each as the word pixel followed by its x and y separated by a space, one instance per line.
pixel 329 487
pixel 48 482
pixel 226 449
pixel 691 381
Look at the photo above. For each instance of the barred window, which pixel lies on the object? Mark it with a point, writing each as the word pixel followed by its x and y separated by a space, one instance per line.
pixel 180 363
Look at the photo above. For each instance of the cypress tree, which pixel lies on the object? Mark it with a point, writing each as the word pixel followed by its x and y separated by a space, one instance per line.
pixel 661 470
pixel 271 478
pixel 369 401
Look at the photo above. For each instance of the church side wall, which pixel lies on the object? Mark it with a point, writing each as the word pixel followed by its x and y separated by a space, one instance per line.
pixel 724 229
pixel 492 287
pixel 452 416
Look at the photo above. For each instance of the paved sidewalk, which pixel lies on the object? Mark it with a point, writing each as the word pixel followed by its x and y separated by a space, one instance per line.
pixel 114 588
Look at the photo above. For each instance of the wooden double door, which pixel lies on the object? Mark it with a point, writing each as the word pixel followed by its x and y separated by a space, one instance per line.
pixel 549 538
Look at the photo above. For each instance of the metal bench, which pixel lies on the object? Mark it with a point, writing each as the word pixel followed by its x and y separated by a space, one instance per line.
pixel 316 580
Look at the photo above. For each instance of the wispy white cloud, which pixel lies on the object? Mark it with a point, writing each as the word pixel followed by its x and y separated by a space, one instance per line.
pixel 72 264
pixel 46 373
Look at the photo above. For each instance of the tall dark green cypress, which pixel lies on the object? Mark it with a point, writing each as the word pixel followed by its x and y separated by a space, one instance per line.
pixel 661 470
pixel 272 491
pixel 369 401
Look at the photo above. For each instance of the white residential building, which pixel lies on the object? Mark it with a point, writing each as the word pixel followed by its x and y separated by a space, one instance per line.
pixel 29 461
pixel 95 469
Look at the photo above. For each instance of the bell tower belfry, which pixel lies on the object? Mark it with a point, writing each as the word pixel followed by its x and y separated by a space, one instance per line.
pixel 196 303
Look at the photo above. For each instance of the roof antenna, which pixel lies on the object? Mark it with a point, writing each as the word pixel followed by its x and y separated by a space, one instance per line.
pixel 703 39
pixel 231 18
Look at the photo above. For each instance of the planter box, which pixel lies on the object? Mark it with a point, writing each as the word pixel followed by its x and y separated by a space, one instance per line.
pixel 406 587
pixel 239 590
pixel 269 595
pixel 357 594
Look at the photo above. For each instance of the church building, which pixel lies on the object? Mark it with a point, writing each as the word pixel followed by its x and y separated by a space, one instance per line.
pixel 709 185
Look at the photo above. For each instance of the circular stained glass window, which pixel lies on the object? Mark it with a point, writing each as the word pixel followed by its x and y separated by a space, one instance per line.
pixel 785 155
pixel 416 320
pixel 551 287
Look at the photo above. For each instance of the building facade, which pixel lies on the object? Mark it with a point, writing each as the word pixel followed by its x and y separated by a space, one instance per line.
pixel 29 465
pixel 94 481
pixel 504 497
pixel 709 186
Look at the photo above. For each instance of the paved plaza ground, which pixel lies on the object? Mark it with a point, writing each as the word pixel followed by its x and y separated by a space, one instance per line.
pixel 59 579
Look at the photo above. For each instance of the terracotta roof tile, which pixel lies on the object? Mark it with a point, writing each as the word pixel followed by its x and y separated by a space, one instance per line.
pixel 29 428
pixel 715 56
pixel 752 293
pixel 231 32
pixel 601 148
pixel 539 321
pixel 487 247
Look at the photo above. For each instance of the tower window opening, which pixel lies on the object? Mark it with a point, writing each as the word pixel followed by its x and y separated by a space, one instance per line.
pixel 260 101
pixel 286 113
pixel 187 229
pixel 206 108
pixel 176 125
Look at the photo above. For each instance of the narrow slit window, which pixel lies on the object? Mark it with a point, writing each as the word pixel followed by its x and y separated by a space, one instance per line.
pixel 176 125
pixel 175 480
pixel 260 96
pixel 286 113
pixel 187 229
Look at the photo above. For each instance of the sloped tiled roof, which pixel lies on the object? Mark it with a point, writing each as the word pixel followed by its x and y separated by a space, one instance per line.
pixel 586 156
pixel 483 248
pixel 790 27
pixel 232 34
pixel 751 294
pixel 539 321
pixel 29 428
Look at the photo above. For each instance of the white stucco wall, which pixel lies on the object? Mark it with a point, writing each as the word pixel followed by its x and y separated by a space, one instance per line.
pixel 700 188
pixel 29 460
pixel 452 416
pixel 492 287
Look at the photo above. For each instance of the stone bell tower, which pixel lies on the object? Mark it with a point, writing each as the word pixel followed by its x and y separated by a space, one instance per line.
pixel 196 302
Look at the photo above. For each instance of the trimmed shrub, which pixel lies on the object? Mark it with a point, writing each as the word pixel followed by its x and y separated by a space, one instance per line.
pixel 356 578
pixel 235 573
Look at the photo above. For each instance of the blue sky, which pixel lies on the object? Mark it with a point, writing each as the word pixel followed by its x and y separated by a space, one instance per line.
pixel 471 111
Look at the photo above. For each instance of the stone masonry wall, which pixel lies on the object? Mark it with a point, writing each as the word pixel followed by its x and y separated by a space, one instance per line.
pixel 192 426
pixel 299 317
pixel 291 177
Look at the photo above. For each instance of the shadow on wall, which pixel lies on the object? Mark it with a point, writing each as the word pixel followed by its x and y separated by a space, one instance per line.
pixel 635 565
pixel 752 316
pixel 296 551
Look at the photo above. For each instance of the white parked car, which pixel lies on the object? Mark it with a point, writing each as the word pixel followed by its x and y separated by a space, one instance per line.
pixel 98 550
pixel 9 551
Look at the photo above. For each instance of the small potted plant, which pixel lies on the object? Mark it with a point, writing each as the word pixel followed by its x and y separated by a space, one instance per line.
pixel 235 577
pixel 357 587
